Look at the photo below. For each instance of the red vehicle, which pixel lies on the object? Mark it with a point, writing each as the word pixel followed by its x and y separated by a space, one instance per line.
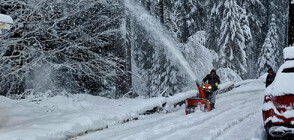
pixel 278 109
pixel 201 103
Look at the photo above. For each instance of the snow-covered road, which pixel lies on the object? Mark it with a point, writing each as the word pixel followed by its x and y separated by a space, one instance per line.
pixel 237 116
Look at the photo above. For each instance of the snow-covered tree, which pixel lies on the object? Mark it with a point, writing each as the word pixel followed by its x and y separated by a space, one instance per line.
pixel 245 26
pixel 232 40
pixel 186 17
pixel 270 51
pixel 72 46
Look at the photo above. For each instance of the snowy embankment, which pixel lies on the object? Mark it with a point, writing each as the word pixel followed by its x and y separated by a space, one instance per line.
pixel 60 117
pixel 237 116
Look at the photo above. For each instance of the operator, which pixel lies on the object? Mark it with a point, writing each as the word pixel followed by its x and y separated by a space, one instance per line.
pixel 213 80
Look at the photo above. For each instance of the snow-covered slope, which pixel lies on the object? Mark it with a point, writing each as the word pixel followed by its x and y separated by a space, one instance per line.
pixel 60 116
pixel 63 117
pixel 237 116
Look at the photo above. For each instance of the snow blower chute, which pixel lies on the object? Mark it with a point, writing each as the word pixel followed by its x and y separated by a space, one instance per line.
pixel 200 103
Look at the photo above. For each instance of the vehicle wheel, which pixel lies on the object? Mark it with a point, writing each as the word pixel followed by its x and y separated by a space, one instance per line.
pixel 269 137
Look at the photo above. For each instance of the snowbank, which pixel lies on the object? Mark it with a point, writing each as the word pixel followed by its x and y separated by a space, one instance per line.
pixel 283 83
pixel 225 85
pixel 60 117
pixel 236 112
pixel 289 53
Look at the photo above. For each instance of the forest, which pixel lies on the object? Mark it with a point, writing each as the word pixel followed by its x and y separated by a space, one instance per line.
pixel 112 49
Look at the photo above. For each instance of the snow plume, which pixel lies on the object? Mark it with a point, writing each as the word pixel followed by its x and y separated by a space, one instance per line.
pixel 40 78
pixel 161 67
pixel 161 64
pixel 160 33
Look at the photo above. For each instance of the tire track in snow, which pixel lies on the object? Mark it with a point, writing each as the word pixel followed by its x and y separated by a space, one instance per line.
pixel 183 122
pixel 204 127
pixel 175 124
pixel 229 125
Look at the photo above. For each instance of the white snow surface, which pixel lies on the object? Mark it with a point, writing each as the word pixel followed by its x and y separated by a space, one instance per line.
pixel 60 117
pixel 238 115
pixel 289 53
pixel 5 19
pixel 283 83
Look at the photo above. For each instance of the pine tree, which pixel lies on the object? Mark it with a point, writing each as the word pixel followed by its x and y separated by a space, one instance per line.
pixel 232 40
pixel 250 49
pixel 270 52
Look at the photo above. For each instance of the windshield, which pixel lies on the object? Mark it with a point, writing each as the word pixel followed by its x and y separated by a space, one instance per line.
pixel 288 70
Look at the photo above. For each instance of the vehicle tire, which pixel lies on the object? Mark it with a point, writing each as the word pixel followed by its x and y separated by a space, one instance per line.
pixel 269 137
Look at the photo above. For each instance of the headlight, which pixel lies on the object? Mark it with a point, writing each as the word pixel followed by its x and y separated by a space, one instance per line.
pixel 209 87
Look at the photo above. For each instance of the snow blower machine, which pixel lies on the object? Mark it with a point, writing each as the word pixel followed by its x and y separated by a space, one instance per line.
pixel 202 102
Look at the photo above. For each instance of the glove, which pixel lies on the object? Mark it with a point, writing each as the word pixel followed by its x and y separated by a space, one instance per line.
pixel 216 84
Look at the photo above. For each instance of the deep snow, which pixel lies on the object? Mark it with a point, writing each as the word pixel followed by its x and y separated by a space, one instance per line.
pixel 238 115
pixel 61 117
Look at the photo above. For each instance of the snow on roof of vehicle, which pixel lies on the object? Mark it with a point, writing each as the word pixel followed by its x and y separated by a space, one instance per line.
pixel 289 53
pixel 5 19
pixel 284 81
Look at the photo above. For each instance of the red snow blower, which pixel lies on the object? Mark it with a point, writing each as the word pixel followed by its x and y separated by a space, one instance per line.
pixel 200 103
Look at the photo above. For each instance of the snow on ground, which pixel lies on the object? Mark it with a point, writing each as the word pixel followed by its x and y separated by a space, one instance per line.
pixel 238 115
pixel 59 117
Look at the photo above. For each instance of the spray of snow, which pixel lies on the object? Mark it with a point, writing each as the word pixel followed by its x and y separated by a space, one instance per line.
pixel 159 32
